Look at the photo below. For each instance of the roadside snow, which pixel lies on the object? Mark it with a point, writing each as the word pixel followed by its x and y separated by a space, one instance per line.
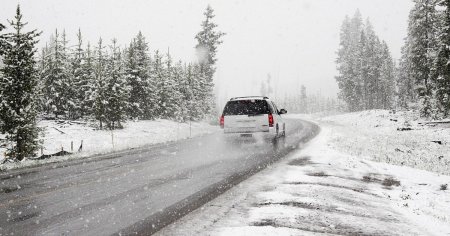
pixel 377 135
pixel 324 189
pixel 60 135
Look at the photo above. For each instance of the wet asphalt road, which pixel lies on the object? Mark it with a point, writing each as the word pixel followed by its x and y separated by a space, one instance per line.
pixel 137 191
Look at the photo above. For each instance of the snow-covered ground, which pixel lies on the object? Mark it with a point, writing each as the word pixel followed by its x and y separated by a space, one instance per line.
pixel 59 136
pixel 377 135
pixel 336 186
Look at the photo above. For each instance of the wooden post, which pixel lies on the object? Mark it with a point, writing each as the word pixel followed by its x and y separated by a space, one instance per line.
pixel 42 151
pixel 81 146
pixel 178 130
pixel 71 146
pixel 112 138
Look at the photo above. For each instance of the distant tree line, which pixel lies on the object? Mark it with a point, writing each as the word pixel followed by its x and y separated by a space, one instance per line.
pixel 366 71
pixel 105 81
pixel 424 68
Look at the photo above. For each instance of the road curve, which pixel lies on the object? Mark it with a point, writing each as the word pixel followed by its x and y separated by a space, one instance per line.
pixel 136 191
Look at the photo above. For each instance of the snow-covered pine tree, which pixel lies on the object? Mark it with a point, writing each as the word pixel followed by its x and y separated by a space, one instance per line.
pixel 184 90
pixel 361 67
pixel 178 87
pixel 303 100
pixel 192 108
pixel 405 83
pixel 441 73
pixel 2 41
pixel 56 78
pixel 69 91
pixel 100 105
pixel 208 39
pixel 142 101
pixel 18 106
pixel 372 58
pixel 3 45
pixel 159 78
pixel 349 62
pixel 41 69
pixel 386 86
pixel 200 93
pixel 78 84
pixel 167 90
pixel 422 44
pixel 117 90
pixel 86 91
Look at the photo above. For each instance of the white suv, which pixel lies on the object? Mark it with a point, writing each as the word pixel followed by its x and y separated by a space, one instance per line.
pixel 253 117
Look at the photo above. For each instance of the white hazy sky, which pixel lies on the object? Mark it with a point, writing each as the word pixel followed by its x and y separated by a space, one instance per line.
pixel 293 40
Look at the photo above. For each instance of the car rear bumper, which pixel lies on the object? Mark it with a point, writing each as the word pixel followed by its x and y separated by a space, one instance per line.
pixel 245 134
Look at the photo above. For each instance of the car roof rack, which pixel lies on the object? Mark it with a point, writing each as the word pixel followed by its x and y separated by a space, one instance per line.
pixel 236 98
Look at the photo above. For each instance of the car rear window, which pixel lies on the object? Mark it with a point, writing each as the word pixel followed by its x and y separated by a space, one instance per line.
pixel 246 107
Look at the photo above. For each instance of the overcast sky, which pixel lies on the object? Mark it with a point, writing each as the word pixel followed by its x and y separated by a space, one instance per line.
pixel 293 40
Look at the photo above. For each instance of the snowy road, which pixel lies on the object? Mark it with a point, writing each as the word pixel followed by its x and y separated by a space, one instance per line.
pixel 133 191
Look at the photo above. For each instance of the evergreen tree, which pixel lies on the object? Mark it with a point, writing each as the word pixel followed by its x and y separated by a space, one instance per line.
pixel 178 90
pixel 184 92
pixel 78 84
pixel 303 101
pixel 442 62
pixel 142 101
pixel 168 94
pixel 18 83
pixel 371 80
pixel 162 87
pixel 3 43
pixel 386 89
pixel 100 87
pixel 3 46
pixel 56 78
pixel 86 83
pixel 117 91
pixel 349 62
pixel 208 39
pixel 195 92
pixel 405 82
pixel 69 83
pixel 422 33
pixel 189 93
pixel 42 65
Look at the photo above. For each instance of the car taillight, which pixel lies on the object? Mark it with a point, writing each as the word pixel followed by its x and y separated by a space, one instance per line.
pixel 222 122
pixel 270 120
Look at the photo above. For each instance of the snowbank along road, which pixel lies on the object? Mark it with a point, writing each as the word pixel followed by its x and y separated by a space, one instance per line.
pixel 137 191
